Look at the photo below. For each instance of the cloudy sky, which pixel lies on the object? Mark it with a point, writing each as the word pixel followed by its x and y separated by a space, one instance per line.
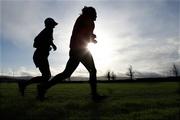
pixel 141 33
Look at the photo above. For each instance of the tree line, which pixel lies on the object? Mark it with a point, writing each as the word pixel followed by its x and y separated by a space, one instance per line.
pixel 174 72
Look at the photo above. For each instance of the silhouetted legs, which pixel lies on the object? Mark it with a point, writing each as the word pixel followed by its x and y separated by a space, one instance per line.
pixel 76 56
pixel 88 62
pixel 70 67
pixel 46 74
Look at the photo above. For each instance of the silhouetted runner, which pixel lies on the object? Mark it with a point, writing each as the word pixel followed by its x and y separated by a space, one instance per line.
pixel 82 34
pixel 43 43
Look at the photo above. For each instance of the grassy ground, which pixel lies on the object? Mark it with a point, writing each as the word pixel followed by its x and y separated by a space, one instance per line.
pixel 126 101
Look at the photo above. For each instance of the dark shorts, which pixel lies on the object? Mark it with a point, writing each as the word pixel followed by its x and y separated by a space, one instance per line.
pixel 41 59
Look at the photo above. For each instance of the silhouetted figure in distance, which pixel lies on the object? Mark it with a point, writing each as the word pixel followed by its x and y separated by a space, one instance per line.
pixel 82 34
pixel 43 43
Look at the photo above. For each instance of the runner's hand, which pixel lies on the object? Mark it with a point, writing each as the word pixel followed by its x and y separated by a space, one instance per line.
pixel 54 47
pixel 94 41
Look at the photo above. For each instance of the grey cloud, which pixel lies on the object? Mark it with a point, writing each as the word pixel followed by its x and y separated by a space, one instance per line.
pixel 144 33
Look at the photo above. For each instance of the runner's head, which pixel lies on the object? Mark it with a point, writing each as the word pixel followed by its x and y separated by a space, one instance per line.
pixel 49 22
pixel 90 12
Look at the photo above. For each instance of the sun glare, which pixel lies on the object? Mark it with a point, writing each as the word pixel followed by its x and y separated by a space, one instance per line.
pixel 101 52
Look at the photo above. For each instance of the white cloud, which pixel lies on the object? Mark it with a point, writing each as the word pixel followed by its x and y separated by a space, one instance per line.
pixel 20 71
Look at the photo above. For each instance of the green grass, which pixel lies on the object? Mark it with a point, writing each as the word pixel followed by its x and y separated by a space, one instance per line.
pixel 126 101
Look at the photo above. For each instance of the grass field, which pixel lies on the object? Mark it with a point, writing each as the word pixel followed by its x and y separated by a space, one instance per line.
pixel 126 101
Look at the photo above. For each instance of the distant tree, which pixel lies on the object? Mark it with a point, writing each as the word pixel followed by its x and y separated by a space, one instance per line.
pixel 108 75
pixel 130 72
pixel 113 76
pixel 175 71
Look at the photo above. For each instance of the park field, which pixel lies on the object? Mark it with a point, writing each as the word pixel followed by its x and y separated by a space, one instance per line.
pixel 72 101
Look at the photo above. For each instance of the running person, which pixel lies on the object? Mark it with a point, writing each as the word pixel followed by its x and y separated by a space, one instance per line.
pixel 82 34
pixel 43 43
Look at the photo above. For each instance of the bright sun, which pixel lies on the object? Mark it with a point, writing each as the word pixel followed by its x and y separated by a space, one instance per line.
pixel 101 52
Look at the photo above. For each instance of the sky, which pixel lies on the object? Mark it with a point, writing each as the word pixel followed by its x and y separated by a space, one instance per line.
pixel 141 33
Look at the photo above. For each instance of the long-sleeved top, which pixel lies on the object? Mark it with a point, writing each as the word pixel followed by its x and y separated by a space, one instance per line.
pixel 44 40
pixel 82 32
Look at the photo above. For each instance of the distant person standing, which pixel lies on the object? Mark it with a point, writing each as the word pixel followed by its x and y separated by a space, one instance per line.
pixel 82 34
pixel 43 43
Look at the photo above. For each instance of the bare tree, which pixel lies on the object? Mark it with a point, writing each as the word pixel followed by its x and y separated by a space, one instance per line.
pixel 175 71
pixel 108 75
pixel 130 72
pixel 113 76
